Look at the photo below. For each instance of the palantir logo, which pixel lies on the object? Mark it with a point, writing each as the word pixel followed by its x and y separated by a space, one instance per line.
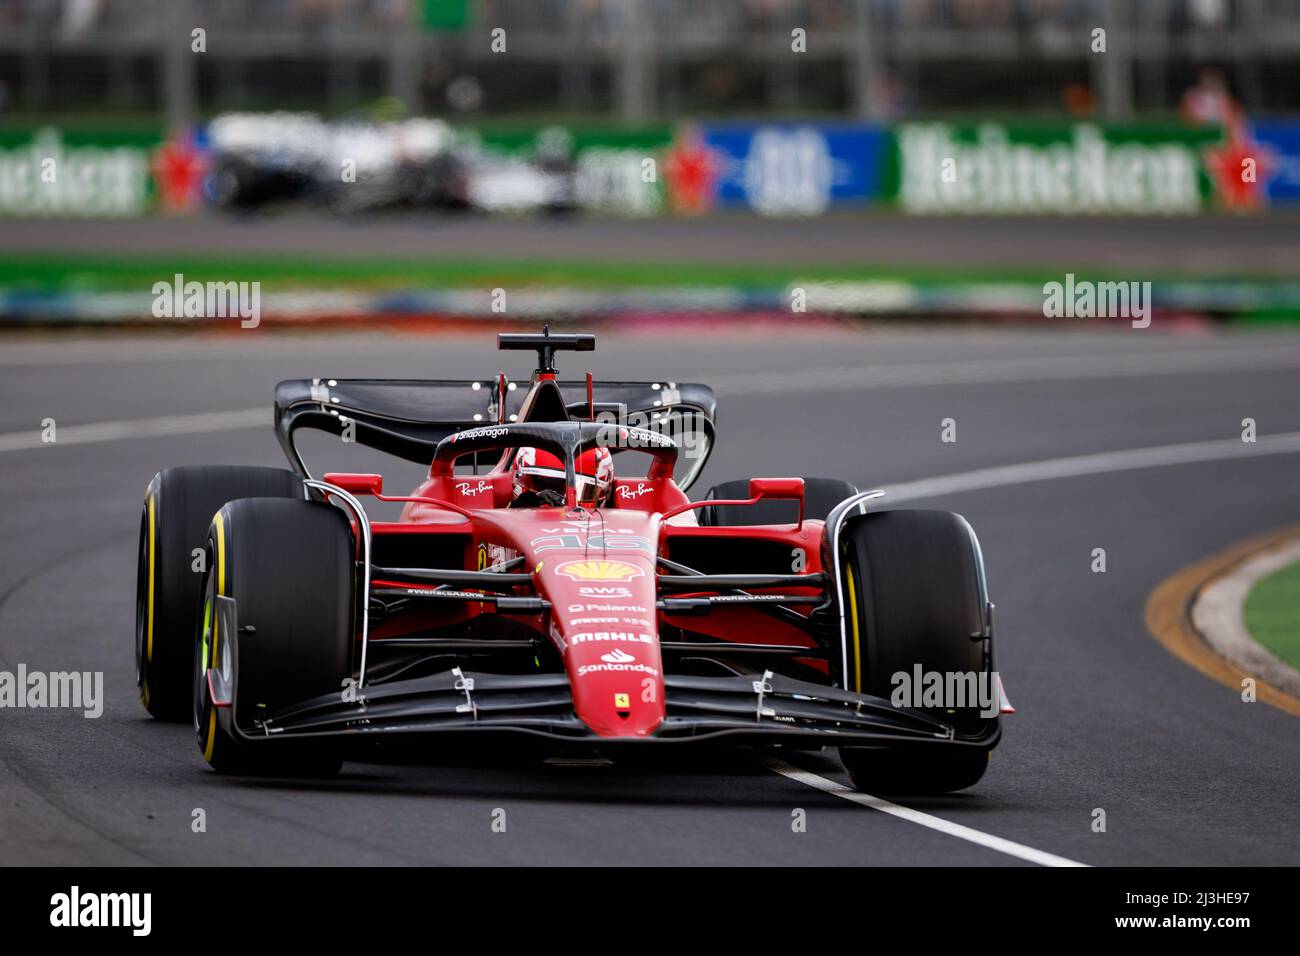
pixel 76 909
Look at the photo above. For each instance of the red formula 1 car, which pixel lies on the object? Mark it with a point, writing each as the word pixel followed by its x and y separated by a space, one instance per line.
pixel 530 587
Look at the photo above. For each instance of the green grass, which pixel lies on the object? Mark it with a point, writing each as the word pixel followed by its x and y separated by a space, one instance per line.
pixel 1274 300
pixel 1273 613
pixel 98 272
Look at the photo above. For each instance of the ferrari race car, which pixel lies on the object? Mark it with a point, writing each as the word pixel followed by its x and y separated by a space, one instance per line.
pixel 524 590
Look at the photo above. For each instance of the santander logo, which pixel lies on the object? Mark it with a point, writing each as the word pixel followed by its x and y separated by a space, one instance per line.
pixel 617 656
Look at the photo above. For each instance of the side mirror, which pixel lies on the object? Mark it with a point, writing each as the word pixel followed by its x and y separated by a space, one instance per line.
pixel 776 488
pixel 779 488
pixel 356 484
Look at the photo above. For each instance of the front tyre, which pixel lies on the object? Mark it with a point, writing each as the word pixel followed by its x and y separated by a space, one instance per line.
pixel 290 568
pixel 916 605
pixel 178 508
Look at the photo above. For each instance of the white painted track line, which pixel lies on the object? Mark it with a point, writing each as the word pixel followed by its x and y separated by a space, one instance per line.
pixel 1033 368
pixel 1190 361
pixel 1021 473
pixel 996 843
pixel 139 428
pixel 1105 462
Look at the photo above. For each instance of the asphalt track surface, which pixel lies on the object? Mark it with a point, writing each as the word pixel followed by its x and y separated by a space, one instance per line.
pixel 1185 771
pixel 1203 245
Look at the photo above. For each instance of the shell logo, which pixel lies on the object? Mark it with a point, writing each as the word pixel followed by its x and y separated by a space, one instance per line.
pixel 599 571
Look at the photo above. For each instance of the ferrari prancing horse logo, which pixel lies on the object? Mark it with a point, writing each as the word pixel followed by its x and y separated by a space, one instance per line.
pixel 599 571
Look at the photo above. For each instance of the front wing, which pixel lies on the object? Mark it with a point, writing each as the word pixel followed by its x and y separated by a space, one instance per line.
pixel 767 709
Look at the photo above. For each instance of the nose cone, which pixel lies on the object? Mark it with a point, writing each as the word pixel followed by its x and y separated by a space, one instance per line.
pixel 603 620
pixel 598 573
pixel 617 680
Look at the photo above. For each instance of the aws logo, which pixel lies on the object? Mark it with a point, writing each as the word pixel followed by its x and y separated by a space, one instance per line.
pixel 595 570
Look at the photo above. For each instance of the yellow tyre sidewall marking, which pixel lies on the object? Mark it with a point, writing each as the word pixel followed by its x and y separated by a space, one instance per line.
pixel 211 741
pixel 857 649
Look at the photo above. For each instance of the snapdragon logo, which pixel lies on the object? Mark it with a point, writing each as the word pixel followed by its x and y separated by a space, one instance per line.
pixel 76 909
pixel 682 427
pixel 179 299
pixel 58 689
pixel 1100 300
pixel 946 690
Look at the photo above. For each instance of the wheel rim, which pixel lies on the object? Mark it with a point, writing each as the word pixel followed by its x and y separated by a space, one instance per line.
pixel 201 646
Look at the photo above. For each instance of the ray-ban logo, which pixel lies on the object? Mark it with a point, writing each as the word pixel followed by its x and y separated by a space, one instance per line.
pixel 628 492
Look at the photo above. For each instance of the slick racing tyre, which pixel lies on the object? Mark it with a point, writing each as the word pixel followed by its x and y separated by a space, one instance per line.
pixel 290 568
pixel 914 595
pixel 178 508
pixel 820 496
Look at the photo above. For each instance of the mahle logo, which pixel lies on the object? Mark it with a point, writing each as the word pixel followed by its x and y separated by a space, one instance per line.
pixel 1081 173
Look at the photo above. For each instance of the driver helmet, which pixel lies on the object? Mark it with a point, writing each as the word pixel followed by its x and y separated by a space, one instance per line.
pixel 539 477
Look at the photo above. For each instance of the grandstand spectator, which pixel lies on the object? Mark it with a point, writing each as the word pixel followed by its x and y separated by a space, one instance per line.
pixel 1209 102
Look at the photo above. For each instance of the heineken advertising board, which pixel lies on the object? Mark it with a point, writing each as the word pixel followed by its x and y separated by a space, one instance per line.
pixel 769 168
pixel 1278 145
pixel 49 173
pixel 794 169
pixel 611 172
pixel 935 168
pixel 1083 168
